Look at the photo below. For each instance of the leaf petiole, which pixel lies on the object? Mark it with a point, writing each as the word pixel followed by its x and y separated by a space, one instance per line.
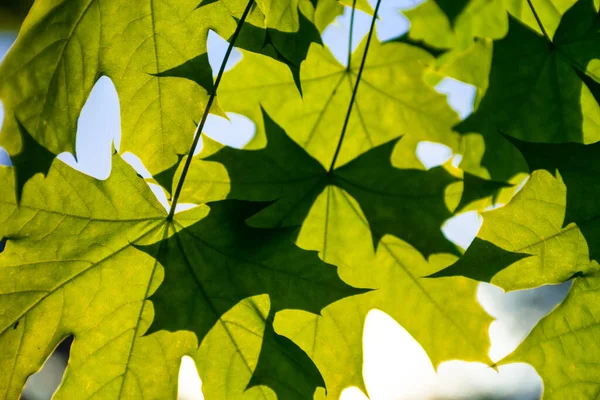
pixel 358 77
pixel 211 99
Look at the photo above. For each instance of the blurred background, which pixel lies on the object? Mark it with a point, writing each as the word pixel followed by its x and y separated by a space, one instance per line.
pixel 395 365
pixel 12 13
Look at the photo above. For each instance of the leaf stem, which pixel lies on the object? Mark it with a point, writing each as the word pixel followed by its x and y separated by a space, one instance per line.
pixel 350 35
pixel 358 77
pixel 198 132
pixel 539 21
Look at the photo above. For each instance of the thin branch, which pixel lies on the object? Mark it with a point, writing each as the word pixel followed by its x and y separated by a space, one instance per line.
pixel 211 98
pixel 358 77
pixel 350 35
pixel 539 21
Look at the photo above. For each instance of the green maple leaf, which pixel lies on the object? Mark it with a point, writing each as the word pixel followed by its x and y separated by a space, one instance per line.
pixel 549 11
pixel 551 97
pixel 327 10
pixel 563 185
pixel 529 242
pixel 455 327
pixel 549 234
pixel 447 24
pixel 285 35
pixel 557 75
pixel 285 173
pixel 338 210
pixel 261 365
pixel 224 282
pixel 69 267
pixel 557 83
pixel 452 8
pixel 393 100
pixel 48 75
pixel 73 266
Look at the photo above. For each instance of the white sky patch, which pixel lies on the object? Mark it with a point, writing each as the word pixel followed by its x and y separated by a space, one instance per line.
pixel 234 132
pixel 396 367
pixel 43 384
pixel 433 154
pixel 136 164
pixel 217 47
pixel 190 385
pixel 98 127
pixel 353 393
pixel 517 313
pixel 392 23
pixel 460 95
pixel 6 41
pixel 160 195
pixel 4 157
pixel 462 228
pixel 456 160
pixel 336 38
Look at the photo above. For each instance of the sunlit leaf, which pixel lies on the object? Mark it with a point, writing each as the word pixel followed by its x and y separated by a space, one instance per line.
pixel 73 265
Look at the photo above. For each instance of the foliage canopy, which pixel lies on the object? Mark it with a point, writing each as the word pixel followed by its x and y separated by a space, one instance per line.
pixel 325 215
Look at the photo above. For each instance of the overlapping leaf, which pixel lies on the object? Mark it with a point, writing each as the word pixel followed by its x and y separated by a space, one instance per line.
pixel 442 314
pixel 69 267
pixel 555 217
pixel 549 232
pixel 73 266
pixel 447 24
pixel 406 203
pixel 366 197
pixel 101 260
pixel 49 73
pixel 262 364
pixel 550 97
pixel 393 100
pixel 285 34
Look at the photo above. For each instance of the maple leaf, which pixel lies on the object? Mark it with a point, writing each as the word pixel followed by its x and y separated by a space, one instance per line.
pixel 73 266
pixel 528 242
pixel 447 24
pixel 562 185
pixel 549 11
pixel 555 84
pixel 330 208
pixel 285 173
pixel 456 326
pixel 551 97
pixel 49 73
pixel 261 365
pixel 285 34
pixel 301 187
pixel 549 234
pixel 143 51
